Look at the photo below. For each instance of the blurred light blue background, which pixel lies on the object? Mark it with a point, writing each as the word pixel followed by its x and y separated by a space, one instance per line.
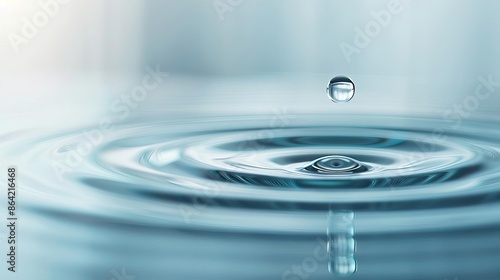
pixel 254 56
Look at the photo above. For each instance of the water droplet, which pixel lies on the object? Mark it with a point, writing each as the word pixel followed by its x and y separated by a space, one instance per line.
pixel 341 89
pixel 341 243
pixel 336 165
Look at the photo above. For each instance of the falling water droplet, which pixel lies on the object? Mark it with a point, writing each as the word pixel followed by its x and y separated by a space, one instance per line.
pixel 336 165
pixel 341 243
pixel 341 89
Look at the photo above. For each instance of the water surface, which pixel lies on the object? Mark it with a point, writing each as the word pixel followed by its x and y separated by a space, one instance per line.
pixel 236 198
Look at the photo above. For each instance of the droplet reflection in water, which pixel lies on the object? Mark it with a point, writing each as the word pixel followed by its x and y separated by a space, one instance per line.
pixel 341 244
pixel 341 89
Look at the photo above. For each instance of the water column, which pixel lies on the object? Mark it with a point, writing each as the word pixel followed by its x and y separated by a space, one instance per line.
pixel 341 244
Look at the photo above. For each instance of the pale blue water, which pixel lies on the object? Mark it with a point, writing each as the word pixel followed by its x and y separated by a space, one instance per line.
pixel 228 198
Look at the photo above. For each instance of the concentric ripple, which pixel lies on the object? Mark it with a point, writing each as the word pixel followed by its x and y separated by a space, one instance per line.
pixel 336 165
pixel 398 177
